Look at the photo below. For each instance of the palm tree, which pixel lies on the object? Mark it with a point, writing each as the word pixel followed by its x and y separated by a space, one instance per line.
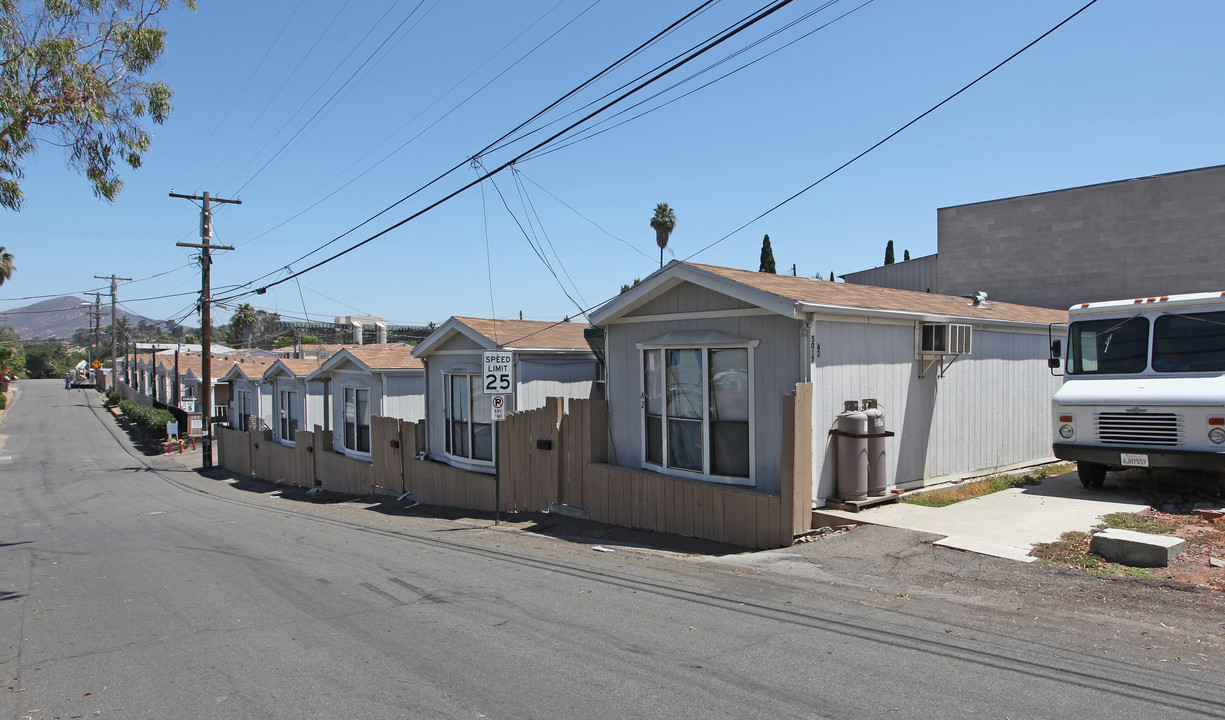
pixel 6 265
pixel 663 222
pixel 244 319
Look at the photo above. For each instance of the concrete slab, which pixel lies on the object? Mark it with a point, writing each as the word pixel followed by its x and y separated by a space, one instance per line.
pixel 982 547
pixel 1136 549
pixel 1016 518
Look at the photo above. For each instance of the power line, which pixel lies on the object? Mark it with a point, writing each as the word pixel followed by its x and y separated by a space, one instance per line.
pixel 330 99
pixel 682 20
pixel 589 133
pixel 445 115
pixel 768 11
pixel 893 134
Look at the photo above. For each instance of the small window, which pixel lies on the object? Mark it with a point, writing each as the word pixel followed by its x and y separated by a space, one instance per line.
pixel 357 419
pixel 244 410
pixel 289 415
pixel 469 415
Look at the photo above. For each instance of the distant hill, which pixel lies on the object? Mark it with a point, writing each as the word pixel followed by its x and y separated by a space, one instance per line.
pixel 58 318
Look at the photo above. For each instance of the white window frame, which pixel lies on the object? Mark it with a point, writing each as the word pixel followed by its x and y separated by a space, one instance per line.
pixel 466 461
pixel 288 415
pixel 705 474
pixel 357 426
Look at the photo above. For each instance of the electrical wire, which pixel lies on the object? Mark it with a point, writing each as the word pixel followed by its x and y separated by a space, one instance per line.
pixel 762 15
pixel 530 210
pixel 330 99
pixel 593 222
pixel 895 133
pixel 400 129
pixel 624 58
pixel 596 130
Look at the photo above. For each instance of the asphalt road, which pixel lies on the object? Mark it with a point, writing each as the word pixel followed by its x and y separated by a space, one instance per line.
pixel 132 586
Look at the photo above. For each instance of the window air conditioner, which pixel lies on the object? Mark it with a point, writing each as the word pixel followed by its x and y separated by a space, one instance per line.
pixel 945 339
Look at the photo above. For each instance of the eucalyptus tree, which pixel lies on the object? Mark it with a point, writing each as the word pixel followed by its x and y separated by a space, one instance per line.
pixel 73 75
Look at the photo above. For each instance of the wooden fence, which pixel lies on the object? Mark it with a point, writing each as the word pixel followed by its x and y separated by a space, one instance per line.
pixel 549 457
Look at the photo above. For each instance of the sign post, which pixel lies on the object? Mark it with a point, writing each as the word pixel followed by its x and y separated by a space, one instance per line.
pixel 499 381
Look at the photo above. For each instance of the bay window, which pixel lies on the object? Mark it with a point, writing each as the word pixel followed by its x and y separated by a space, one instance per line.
pixel 696 411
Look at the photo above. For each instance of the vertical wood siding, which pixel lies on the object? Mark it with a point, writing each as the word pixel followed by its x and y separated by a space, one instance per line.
pixel 571 470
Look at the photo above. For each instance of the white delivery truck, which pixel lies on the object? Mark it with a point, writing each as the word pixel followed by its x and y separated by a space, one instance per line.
pixel 1144 385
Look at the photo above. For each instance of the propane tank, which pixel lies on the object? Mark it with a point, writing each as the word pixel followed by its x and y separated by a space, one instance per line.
pixel 852 453
pixel 877 481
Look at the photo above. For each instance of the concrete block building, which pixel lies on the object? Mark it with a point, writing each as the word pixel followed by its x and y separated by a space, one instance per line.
pixel 1147 236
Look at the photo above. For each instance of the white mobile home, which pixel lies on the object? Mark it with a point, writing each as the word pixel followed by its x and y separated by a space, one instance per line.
pixel 359 382
pixel 297 403
pixel 250 396
pixel 700 357
pixel 549 360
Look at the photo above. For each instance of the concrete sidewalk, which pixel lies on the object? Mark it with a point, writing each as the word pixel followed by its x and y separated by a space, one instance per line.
pixel 1008 523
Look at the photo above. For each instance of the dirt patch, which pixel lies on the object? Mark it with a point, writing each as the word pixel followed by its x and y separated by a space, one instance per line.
pixel 1205 538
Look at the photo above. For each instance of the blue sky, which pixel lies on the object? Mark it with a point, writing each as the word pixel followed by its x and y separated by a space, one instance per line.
pixel 1126 89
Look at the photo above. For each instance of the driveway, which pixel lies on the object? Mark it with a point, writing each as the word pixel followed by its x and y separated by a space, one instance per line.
pixel 1006 524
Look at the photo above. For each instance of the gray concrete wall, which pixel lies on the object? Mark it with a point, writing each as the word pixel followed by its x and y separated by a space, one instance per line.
pixel 918 275
pixel 1150 236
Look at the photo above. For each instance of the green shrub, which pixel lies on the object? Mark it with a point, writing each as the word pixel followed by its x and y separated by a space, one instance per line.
pixel 113 397
pixel 151 420
pixel 3 401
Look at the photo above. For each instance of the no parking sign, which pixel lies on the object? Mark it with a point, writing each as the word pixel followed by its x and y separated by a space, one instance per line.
pixel 499 407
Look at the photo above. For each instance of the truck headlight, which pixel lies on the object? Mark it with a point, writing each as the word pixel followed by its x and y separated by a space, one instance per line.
pixel 1217 435
pixel 1066 432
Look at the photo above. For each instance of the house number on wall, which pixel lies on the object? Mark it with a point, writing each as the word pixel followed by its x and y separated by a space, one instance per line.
pixel 814 349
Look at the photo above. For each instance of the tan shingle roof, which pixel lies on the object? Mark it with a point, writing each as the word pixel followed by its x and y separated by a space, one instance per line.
pixel 397 356
pixel 220 365
pixel 300 368
pixel 876 298
pixel 533 334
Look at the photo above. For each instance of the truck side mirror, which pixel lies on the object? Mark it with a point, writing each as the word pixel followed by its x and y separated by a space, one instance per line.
pixel 1053 363
pixel 1056 354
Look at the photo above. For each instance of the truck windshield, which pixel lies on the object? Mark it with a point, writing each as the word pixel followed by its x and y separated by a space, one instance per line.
pixel 1189 343
pixel 1104 347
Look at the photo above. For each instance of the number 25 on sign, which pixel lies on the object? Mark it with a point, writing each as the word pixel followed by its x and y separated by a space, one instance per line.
pixel 499 376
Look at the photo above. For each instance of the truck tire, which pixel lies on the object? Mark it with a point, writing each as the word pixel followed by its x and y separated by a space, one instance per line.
pixel 1092 475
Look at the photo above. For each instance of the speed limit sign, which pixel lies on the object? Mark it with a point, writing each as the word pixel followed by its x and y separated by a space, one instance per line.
pixel 499 407
pixel 499 372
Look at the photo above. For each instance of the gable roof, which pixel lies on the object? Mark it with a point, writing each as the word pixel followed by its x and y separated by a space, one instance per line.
pixel 248 368
pixel 291 367
pixel 396 357
pixel 512 334
pixel 795 296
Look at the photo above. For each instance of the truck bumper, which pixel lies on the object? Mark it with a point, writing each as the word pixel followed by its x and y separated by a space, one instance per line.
pixel 1184 459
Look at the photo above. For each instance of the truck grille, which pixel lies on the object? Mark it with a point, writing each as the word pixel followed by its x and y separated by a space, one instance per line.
pixel 1139 429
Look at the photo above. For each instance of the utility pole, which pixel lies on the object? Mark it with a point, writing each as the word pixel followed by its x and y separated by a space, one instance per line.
pixel 114 332
pixel 206 317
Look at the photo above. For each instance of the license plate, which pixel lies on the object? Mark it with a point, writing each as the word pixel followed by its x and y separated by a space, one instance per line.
pixel 1133 460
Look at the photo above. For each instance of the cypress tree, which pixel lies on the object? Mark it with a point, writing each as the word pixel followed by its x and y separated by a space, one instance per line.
pixel 767 257
pixel 889 253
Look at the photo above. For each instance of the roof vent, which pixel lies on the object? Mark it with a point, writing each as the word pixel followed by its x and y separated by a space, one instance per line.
pixel 979 299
